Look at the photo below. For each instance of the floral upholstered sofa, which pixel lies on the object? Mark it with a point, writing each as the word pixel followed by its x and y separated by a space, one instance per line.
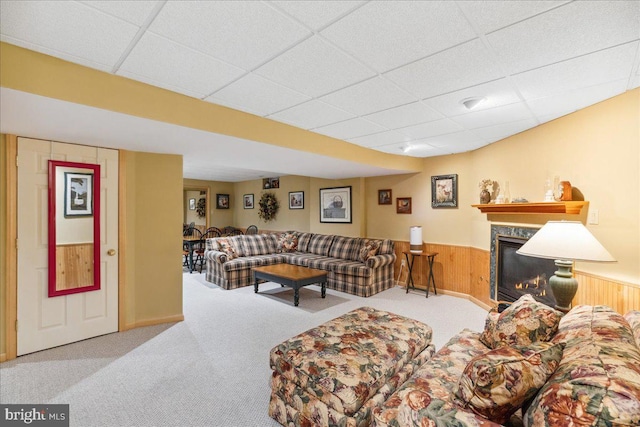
pixel 355 265
pixel 530 366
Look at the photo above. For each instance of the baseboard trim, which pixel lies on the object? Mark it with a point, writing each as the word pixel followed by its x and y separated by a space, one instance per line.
pixel 474 300
pixel 152 322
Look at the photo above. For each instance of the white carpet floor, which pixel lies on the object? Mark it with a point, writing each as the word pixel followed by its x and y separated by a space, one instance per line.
pixel 210 370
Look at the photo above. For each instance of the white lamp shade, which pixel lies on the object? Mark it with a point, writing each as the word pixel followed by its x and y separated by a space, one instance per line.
pixel 415 239
pixel 565 240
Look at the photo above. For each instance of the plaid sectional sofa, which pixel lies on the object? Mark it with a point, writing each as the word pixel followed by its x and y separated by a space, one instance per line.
pixel 355 265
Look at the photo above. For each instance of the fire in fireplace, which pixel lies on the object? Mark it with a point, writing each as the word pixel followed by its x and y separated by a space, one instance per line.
pixel 517 275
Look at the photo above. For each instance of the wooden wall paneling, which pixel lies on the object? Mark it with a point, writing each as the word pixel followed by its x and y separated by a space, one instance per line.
pixel 465 271
pixel 594 290
pixel 480 276
pixel 74 267
pixel 450 268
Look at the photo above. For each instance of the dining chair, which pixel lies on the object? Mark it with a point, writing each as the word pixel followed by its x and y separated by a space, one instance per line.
pixel 252 229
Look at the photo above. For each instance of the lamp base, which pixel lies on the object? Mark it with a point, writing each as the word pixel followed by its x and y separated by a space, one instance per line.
pixel 563 285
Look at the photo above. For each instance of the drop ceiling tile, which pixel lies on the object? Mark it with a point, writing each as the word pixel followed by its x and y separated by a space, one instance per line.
pixel 381 138
pixel 314 68
pixel 258 94
pixel 497 93
pixel 589 70
pixel 466 65
pixel 451 140
pixel 404 115
pixel 388 34
pixel 422 150
pixel 568 102
pixel 497 132
pixel 241 33
pixel 348 129
pixel 493 15
pixel 369 96
pixel 494 116
pixel 425 130
pixel 312 114
pixel 167 62
pixel 162 85
pixel 317 14
pixel 135 12
pixel 67 29
pixel 238 107
pixel 568 31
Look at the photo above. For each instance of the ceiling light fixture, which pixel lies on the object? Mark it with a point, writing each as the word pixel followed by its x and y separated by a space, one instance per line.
pixel 405 148
pixel 473 102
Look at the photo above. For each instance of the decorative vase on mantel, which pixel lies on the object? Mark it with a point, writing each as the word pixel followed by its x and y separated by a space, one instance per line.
pixel 485 197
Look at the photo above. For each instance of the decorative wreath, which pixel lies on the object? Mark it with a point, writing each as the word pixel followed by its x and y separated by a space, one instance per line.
pixel 268 206
pixel 201 208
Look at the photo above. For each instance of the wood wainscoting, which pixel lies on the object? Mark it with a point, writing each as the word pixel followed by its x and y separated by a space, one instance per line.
pixel 464 271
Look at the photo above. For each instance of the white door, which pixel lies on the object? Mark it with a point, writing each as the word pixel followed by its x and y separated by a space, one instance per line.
pixel 45 322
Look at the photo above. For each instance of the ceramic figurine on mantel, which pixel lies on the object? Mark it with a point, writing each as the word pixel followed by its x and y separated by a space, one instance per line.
pixel 486 186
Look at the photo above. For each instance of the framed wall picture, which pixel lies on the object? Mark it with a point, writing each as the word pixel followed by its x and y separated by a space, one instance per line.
pixel 192 204
pixel 78 194
pixel 403 205
pixel 335 205
pixel 268 183
pixel 247 201
pixel 222 201
pixel 296 200
pixel 384 197
pixel 444 191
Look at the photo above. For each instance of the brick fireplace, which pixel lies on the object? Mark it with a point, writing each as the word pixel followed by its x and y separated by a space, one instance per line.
pixel 513 275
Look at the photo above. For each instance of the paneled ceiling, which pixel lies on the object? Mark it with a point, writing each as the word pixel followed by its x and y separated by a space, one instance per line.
pixel 386 75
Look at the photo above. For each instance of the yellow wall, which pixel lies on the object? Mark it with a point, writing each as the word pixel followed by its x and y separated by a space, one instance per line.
pixel 217 217
pixel 596 149
pixel 153 238
pixel 286 219
pixel 3 244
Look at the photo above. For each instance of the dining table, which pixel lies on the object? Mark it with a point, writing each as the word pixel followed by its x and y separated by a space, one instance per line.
pixel 191 242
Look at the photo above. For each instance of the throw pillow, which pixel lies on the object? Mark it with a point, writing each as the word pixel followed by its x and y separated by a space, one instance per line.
pixel 497 383
pixel 489 327
pixel 225 246
pixel 287 242
pixel 369 249
pixel 524 322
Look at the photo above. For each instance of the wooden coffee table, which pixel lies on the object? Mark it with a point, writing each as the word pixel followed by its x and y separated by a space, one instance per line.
pixel 293 276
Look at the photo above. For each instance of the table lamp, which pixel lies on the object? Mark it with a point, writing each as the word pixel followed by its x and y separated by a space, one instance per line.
pixel 565 242
pixel 415 239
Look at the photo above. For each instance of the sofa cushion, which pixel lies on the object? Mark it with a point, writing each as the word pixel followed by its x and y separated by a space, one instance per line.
pixel 258 244
pixel 247 262
pixel 303 241
pixel 369 248
pixel 287 241
pixel 633 317
pixel 320 244
pixel 426 398
pixel 524 322
pixel 347 248
pixel 386 247
pixel 497 383
pixel 357 269
pixel 598 380
pixel 226 245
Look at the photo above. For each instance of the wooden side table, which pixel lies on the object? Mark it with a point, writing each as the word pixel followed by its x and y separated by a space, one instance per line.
pixel 430 256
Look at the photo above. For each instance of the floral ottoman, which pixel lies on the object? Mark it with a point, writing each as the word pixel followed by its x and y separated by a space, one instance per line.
pixel 336 373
